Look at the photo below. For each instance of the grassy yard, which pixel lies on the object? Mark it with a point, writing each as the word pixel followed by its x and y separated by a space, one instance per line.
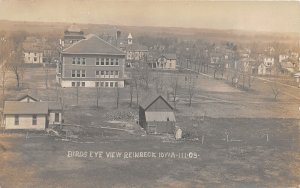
pixel 261 150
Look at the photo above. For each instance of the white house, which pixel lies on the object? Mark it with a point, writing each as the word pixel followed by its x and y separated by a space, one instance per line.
pixel 266 67
pixel 135 53
pixel 29 113
pixel 283 57
pixel 33 50
pixel 166 61
pixel 25 115
pixel 33 57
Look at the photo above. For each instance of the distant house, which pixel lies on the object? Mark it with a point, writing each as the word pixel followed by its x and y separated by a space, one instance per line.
pixel 283 57
pixel 156 116
pixel 33 50
pixel 266 67
pixel 134 52
pixel 29 113
pixel 166 62
pixel 38 50
pixel 216 57
pixel 91 62
pixel 288 65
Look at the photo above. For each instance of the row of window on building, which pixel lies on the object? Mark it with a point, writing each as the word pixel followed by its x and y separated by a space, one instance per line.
pixel 106 84
pixel 34 119
pixel 78 73
pixel 34 58
pixel 99 61
pixel 97 84
pixel 107 74
pixel 102 74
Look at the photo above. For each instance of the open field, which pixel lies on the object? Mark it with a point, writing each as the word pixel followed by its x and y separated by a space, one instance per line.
pixel 255 163
pixel 262 149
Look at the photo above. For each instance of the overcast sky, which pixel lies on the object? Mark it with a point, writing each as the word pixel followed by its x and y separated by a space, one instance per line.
pixel 256 16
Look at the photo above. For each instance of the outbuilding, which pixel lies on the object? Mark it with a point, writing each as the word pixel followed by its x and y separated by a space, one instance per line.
pixel 156 116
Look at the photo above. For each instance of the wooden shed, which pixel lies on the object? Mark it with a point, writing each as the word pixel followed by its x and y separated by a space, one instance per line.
pixel 156 116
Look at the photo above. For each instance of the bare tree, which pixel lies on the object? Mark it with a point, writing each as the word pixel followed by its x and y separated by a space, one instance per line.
pixel 275 89
pixel 98 96
pixel 191 88
pixel 137 87
pixel 6 48
pixel 131 89
pixel 46 69
pixel 16 65
pixel 174 87
pixel 77 94
pixel 61 101
pixel 146 76
pixel 3 80
pixel 136 79
pixel 275 85
pixel 117 91
pixel 143 72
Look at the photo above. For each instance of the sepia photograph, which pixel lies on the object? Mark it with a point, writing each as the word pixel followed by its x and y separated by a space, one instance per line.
pixel 149 94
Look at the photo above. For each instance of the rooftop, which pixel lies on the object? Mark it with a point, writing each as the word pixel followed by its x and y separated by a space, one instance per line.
pixel 54 105
pixel 24 108
pixel 92 44
pixel 31 96
pixel 148 100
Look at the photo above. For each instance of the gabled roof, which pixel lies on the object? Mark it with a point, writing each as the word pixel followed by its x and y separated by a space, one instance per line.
pixel 169 56
pixel 24 108
pixel 149 100
pixel 27 96
pixel 92 44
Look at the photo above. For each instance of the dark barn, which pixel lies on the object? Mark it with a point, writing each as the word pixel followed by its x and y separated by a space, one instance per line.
pixel 156 116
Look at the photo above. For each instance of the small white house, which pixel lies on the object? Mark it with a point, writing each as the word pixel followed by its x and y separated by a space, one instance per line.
pixel 265 68
pixel 166 61
pixel 25 115
pixel 33 48
pixel 30 113
pixel 283 57
pixel 33 57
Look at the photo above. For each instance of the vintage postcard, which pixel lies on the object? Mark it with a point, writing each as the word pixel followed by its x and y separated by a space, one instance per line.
pixel 146 94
